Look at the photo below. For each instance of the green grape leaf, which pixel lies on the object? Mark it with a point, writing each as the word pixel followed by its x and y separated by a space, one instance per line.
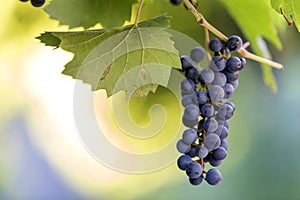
pixel 120 59
pixel 290 9
pixel 87 13
pixel 253 18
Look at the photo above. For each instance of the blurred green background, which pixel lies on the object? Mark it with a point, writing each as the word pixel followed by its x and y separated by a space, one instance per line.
pixel 41 153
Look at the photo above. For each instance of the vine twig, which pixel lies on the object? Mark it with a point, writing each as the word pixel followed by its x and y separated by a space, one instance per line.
pixel 138 14
pixel 207 43
pixel 202 21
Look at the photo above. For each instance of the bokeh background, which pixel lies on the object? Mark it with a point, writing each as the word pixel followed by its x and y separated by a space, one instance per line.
pixel 41 156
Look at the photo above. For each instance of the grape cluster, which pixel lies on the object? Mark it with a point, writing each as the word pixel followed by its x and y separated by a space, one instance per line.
pixel 35 3
pixel 206 111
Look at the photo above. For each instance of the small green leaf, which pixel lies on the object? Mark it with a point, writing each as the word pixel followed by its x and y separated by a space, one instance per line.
pixel 253 18
pixel 87 13
pixel 49 40
pixel 122 59
pixel 290 9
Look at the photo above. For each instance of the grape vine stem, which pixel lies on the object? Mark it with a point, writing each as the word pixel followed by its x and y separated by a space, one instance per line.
pixel 207 43
pixel 138 14
pixel 202 21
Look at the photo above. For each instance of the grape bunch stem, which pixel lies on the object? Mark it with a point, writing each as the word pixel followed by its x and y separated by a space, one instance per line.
pixel 202 21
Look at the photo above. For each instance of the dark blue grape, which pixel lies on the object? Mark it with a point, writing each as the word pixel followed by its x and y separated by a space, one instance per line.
pixel 225 112
pixel 189 136
pixel 210 125
pixel 189 123
pixel 213 177
pixel 233 64
pixel 222 132
pixel 218 63
pixel 37 3
pixel 235 84
pixel 224 123
pixel 219 153
pixel 207 110
pixel 201 151
pixel 231 76
pixel 220 79
pixel 183 161
pixel 234 43
pixel 243 63
pixel 231 104
pixel 229 90
pixel 201 96
pixel 194 170
pixel 224 144
pixel 189 99
pixel 191 72
pixel 182 147
pixel 212 141
pixel 216 93
pixel 192 153
pixel 24 0
pixel 197 54
pixel 196 181
pixel 186 62
pixel 207 75
pixel 191 112
pixel 213 162
pixel 216 45
pixel 175 2
pixel 187 86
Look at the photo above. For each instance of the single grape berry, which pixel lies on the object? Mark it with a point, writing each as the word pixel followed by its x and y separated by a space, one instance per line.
pixel 213 162
pixel 191 72
pixel 196 181
pixel 175 2
pixel 212 141
pixel 243 63
pixel 183 161
pixel 197 54
pixel 216 45
pixel 187 86
pixel 231 76
pixel 37 3
pixel 218 63
pixel 189 99
pixel 219 153
pixel 224 144
pixel 202 97
pixel 201 151
pixel 207 110
pixel 216 93
pixel 234 43
pixel 207 75
pixel 186 62
pixel 229 90
pixel 182 147
pixel 194 170
pixel 189 136
pixel 220 79
pixel 192 152
pixel 213 177
pixel 233 64
pixel 189 123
